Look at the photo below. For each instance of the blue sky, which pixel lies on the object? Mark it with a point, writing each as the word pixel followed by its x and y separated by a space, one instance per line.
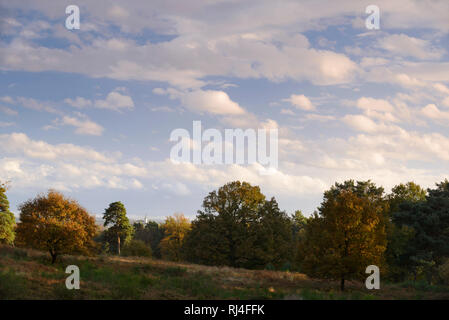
pixel 89 112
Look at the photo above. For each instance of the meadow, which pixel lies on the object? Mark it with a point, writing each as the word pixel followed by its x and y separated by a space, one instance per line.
pixel 28 274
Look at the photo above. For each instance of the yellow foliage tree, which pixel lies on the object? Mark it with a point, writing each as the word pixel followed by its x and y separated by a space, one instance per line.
pixel 55 223
pixel 175 229
pixel 345 237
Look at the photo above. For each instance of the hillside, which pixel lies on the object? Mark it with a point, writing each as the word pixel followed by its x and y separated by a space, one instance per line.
pixel 27 274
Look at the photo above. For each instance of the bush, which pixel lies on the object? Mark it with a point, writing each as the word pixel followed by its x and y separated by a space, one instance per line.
pixel 270 266
pixel 286 266
pixel 136 248
pixel 443 272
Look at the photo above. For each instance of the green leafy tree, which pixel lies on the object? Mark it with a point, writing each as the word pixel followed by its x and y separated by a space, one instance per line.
pixel 239 228
pixel 347 234
pixel 119 229
pixel 7 219
pixel 151 233
pixel 398 251
pixel 270 238
pixel 299 221
pixel 409 192
pixel 299 224
pixel 429 246
pixel 219 233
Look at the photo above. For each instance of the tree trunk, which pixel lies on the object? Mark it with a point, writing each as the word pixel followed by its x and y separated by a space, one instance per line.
pixel 342 283
pixel 118 245
pixel 53 257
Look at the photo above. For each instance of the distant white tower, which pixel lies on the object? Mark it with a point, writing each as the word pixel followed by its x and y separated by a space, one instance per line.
pixel 146 219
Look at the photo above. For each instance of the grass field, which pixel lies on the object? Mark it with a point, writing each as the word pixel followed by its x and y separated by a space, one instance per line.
pixel 28 274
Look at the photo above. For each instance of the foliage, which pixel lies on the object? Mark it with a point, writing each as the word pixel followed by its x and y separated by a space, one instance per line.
pixel 120 230
pixel 299 224
pixel 56 224
pixel 7 219
pixel 443 272
pixel 409 192
pixel 239 228
pixel 348 234
pixel 151 233
pixel 398 250
pixel 136 248
pixel 175 230
pixel 429 246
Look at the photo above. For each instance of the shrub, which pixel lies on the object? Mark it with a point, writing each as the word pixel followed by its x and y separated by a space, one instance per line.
pixel 286 266
pixel 136 248
pixel 443 272
pixel 269 266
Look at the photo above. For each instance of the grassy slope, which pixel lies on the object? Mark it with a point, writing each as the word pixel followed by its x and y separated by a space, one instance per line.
pixel 27 274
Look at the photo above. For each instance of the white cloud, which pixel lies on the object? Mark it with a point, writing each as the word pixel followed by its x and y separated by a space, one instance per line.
pixel 360 123
pixel 441 88
pixel 83 126
pixel 20 143
pixel 115 101
pixel 431 111
pixel 78 102
pixel 300 101
pixel 34 104
pixel 269 124
pixel 381 105
pixel 8 111
pixel 7 99
pixel 211 101
pixel 446 102
pixel 406 46
pixel 287 111
pixel 319 117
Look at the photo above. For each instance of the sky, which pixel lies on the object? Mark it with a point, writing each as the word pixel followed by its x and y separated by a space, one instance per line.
pixel 89 111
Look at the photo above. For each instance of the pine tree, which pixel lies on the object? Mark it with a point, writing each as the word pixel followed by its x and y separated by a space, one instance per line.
pixel 120 230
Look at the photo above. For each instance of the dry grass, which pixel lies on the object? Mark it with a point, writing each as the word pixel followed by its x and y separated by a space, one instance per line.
pixel 31 276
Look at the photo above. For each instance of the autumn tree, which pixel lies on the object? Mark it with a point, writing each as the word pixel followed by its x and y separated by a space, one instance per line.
pixel 175 228
pixel 347 234
pixel 239 228
pixel 119 229
pixel 57 224
pixel 7 219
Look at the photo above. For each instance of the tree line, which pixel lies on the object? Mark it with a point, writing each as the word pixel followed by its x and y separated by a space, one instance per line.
pixel 405 232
